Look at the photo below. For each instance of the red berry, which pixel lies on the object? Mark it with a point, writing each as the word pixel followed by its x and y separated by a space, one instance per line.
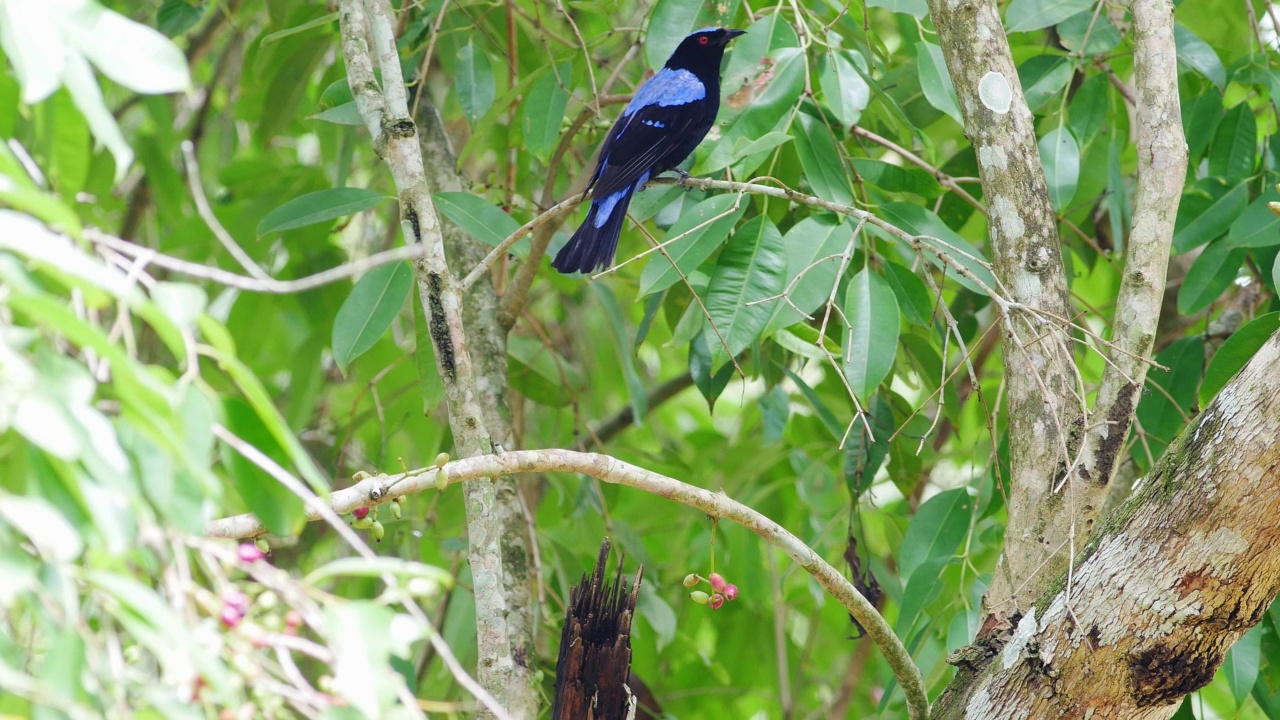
pixel 717 581
pixel 716 601
pixel 360 512
pixel 249 553
pixel 730 592
pixel 230 616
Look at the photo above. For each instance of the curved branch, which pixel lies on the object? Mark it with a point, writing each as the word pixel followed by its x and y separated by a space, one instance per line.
pixel 382 488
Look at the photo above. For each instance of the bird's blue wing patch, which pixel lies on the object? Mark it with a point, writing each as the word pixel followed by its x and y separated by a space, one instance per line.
pixel 607 204
pixel 668 87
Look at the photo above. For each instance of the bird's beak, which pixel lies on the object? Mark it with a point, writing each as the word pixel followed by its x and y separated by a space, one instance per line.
pixel 731 34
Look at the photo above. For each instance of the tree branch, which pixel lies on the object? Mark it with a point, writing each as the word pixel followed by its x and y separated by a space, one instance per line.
pixel 1162 168
pixel 386 114
pixel 383 488
pixel 1046 417
pixel 1175 576
pixel 147 256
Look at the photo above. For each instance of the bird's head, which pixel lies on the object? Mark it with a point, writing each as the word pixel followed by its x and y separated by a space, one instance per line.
pixel 702 46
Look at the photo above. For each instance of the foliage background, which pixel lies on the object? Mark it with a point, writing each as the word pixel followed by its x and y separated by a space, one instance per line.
pixel 113 385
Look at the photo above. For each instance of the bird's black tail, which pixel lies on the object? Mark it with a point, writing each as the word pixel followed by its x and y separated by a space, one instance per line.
pixel 592 246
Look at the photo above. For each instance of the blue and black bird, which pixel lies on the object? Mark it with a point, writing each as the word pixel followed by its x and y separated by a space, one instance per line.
pixel 666 119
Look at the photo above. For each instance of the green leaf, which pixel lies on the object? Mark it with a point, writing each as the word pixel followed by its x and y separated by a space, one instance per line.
pixel 700 368
pixel 1201 115
pixel 1257 226
pixel 934 231
pixel 480 219
pixel 1209 276
pixel 54 538
pixel 845 90
pixel 318 207
pixel 912 295
pixel 1089 107
pixel 276 506
pixel 935 81
pixel 1235 144
pixel 1235 353
pixel 345 114
pixel 543 110
pixel 669 22
pixel 540 374
pixel 1102 35
pixel 917 8
pixel 1275 272
pixel 1025 15
pixel 821 160
pixel 658 614
pixel 767 34
pixel 922 588
pixel 872 341
pixel 745 147
pixel 936 531
pixel 696 245
pixel 750 268
pixel 618 331
pixel 1201 220
pixel 827 417
pixel 1061 158
pixel 177 16
pixel 430 385
pixel 813 247
pixel 369 310
pixel 895 178
pixel 475 83
pixel 771 110
pixel 1167 398
pixel 360 635
pixel 1199 55
pixel 1241 664
pixel 864 453
pixel 1043 77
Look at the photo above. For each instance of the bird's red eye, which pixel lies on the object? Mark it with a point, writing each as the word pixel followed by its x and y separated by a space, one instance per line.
pixel 703 40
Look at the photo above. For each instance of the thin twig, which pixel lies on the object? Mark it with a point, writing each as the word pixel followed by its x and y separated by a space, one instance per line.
pixel 263 285
pixel 206 214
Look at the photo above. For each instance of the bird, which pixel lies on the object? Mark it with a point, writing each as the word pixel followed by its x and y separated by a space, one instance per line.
pixel 666 119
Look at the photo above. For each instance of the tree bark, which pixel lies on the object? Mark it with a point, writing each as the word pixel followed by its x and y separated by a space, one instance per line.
pixel 1045 419
pixel 1175 576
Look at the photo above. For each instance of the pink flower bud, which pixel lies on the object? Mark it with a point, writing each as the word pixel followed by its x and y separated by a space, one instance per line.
pixel 360 512
pixel 249 553
pixel 716 601
pixel 699 597
pixel 717 582
pixel 292 621
pixel 230 616
pixel 236 599
pixel 730 592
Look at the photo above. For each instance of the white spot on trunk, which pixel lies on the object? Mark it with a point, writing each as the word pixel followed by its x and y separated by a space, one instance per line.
pixel 995 92
pixel 1026 630
pixel 1006 213
pixel 992 156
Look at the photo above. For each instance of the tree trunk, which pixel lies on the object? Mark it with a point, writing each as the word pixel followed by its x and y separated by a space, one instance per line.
pixel 1181 570
pixel 595 648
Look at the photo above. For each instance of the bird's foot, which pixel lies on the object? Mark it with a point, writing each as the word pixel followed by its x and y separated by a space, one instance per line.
pixel 684 177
